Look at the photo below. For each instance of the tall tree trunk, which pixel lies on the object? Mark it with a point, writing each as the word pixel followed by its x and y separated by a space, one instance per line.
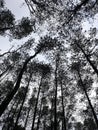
pixel 10 96
pixel 26 121
pixel 64 119
pixel 35 109
pixel 9 113
pixel 55 101
pixel 44 125
pixel 40 113
pixel 88 59
pixel 12 117
pixel 51 121
pixel 89 101
pixel 25 94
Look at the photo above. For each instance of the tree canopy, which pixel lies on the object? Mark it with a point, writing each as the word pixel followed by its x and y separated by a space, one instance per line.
pixel 59 93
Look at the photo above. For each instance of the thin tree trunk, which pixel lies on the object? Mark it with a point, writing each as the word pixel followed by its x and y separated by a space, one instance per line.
pixel 35 109
pixel 51 125
pixel 26 121
pixel 4 72
pixel 88 59
pixel 9 113
pixel 44 127
pixel 64 119
pixel 89 101
pixel 55 101
pixel 62 125
pixel 40 113
pixel 12 117
pixel 10 96
pixel 25 94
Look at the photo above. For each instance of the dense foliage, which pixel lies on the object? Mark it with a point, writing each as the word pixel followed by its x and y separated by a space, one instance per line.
pixel 54 94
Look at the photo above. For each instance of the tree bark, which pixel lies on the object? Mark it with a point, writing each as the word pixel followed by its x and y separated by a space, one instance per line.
pixel 12 117
pixel 64 119
pixel 4 72
pixel 9 113
pixel 55 101
pixel 40 113
pixel 51 116
pixel 44 123
pixel 21 107
pixel 35 109
pixel 26 121
pixel 10 96
pixel 88 59
pixel 89 101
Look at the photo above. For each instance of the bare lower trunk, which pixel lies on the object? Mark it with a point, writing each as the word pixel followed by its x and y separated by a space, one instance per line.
pixel 12 117
pixel 21 107
pixel 35 110
pixel 51 121
pixel 10 96
pixel 7 119
pixel 64 119
pixel 25 125
pixel 55 102
pixel 89 101
pixel 40 113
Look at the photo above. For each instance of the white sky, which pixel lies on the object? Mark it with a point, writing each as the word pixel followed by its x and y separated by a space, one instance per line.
pixel 18 8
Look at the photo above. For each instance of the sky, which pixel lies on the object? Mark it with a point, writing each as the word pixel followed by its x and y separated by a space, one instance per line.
pixel 20 9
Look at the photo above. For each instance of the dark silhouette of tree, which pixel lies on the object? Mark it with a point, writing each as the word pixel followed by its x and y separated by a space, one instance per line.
pixel 7 86
pixel 61 78
pixel 12 58
pixel 8 23
pixel 6 19
pixel 31 104
pixel 56 86
pixel 52 104
pixel 23 100
pixel 44 45
pixel 76 67
pixel 78 126
pixel 19 128
pixel 11 115
pixel 40 114
pixel 87 57
pixel 44 70
pixel 89 124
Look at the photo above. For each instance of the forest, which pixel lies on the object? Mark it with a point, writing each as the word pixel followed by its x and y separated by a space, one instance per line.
pixel 50 82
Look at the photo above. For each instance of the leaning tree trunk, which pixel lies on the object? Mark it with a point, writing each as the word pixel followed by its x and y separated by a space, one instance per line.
pixel 64 119
pixel 4 72
pixel 21 107
pixel 10 96
pixel 89 101
pixel 88 59
pixel 35 109
pixel 9 113
pixel 13 115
